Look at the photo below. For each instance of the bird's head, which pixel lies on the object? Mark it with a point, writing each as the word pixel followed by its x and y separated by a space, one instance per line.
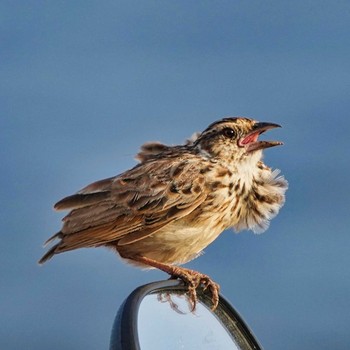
pixel 234 139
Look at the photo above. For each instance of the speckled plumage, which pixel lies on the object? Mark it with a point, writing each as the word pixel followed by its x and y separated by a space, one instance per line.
pixel 177 200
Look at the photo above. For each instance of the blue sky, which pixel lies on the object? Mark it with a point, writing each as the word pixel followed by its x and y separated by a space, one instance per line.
pixel 85 83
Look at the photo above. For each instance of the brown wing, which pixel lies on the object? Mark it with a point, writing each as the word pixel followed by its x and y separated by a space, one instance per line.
pixel 130 206
pixel 151 150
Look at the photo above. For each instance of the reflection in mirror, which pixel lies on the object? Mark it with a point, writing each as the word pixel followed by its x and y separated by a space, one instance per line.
pixel 166 321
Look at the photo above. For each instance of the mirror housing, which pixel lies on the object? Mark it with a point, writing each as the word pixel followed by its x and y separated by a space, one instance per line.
pixel 174 320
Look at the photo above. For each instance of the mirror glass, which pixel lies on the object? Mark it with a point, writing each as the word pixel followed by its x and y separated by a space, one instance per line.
pixel 166 321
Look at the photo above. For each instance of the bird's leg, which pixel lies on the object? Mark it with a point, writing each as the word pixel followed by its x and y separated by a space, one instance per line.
pixel 192 278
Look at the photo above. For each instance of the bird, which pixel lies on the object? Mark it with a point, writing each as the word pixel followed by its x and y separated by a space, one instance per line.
pixel 177 200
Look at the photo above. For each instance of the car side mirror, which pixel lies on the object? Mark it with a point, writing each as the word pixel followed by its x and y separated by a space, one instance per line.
pixel 159 316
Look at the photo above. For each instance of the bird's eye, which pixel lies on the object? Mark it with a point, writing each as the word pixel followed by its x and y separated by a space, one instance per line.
pixel 229 133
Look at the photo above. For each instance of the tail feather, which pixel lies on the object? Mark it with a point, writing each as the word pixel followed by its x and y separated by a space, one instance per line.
pixel 52 238
pixel 48 255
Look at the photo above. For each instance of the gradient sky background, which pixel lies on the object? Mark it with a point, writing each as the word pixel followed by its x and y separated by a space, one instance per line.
pixel 85 83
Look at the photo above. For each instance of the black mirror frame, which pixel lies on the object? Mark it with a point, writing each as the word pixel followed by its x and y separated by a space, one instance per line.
pixel 125 330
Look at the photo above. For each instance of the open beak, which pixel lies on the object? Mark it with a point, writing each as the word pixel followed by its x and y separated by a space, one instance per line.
pixel 250 141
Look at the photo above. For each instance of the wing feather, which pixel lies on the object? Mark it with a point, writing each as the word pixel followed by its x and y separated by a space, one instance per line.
pixel 131 206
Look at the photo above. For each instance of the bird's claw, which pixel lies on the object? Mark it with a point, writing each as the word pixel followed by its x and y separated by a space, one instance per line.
pixel 195 280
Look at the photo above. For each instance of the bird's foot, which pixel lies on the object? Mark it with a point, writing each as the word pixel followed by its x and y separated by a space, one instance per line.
pixel 194 280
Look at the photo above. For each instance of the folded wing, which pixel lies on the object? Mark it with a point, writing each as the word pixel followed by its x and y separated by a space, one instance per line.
pixel 131 206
